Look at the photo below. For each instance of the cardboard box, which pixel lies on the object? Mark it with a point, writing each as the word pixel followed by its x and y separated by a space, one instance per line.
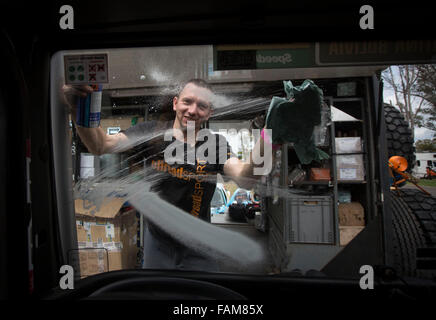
pixel 351 214
pixel 348 145
pixel 348 233
pixel 107 236
pixel 350 167
pixel 319 174
pixel 92 261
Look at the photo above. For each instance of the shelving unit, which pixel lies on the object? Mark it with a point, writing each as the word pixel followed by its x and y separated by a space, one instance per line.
pixel 361 189
pixel 317 214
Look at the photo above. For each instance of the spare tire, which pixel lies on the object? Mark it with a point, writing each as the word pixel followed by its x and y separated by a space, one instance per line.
pixel 423 207
pixel 399 136
pixel 414 226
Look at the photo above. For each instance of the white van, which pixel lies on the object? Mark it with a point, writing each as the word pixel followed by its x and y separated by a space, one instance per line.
pixel 424 160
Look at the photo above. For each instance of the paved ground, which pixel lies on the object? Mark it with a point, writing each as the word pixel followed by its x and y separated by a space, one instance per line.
pixel 225 219
pixel 431 190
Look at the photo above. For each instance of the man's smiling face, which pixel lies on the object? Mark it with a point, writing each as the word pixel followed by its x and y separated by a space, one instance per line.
pixel 192 104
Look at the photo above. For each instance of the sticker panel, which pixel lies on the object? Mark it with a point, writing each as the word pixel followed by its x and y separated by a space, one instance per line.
pixel 86 69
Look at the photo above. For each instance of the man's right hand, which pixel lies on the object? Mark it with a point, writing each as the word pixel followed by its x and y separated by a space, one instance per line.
pixel 95 139
pixel 71 93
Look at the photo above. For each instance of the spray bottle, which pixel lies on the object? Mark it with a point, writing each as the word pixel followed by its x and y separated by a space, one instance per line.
pixel 89 108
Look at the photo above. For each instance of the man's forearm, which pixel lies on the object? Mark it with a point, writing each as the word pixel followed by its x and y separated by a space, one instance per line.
pixel 258 164
pixel 260 156
pixel 93 139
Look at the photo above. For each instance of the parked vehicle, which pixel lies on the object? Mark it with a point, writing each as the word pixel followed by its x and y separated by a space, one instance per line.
pixel 218 205
pixel 425 162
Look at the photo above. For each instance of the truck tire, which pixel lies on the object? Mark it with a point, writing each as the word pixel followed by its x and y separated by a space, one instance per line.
pixel 399 136
pixel 414 226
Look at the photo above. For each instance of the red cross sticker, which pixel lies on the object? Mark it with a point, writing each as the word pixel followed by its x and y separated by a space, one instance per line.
pixel 92 67
pixel 92 77
pixel 100 67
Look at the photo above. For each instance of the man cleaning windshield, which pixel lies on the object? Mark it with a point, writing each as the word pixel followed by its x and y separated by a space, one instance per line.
pixel 179 180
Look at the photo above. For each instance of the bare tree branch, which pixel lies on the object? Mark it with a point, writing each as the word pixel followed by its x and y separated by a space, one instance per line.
pixel 415 93
pixel 418 109
pixel 394 85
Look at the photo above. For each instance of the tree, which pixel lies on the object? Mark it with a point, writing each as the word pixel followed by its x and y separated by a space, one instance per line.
pixel 403 81
pixel 426 145
pixel 425 88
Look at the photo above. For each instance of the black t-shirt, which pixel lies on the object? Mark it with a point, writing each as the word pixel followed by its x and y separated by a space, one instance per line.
pixel 181 184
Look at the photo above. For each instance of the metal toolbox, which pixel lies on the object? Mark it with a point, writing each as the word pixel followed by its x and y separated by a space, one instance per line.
pixel 310 219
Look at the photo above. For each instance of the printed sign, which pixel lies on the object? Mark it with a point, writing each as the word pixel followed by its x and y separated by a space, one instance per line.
pixel 285 58
pixel 348 174
pixel 375 52
pixel 113 130
pixel 86 69
pixel 264 57
pixel 319 54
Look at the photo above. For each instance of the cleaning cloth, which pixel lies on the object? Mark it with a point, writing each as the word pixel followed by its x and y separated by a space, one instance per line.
pixel 292 119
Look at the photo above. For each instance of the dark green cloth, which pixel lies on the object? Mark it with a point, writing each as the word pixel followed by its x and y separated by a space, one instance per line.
pixel 292 119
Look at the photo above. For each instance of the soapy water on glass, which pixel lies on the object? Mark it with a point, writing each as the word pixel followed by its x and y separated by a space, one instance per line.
pixel 207 239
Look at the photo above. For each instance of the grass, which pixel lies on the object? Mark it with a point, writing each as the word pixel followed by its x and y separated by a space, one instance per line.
pixel 426 182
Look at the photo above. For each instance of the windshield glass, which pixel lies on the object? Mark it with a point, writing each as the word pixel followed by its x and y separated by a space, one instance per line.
pixel 217 199
pixel 146 134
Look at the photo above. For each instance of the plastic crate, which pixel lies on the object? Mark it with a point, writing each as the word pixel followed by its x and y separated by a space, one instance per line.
pixel 310 219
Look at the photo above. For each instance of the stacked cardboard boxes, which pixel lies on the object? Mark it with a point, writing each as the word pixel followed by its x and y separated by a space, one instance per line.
pixel 349 159
pixel 107 236
pixel 351 221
